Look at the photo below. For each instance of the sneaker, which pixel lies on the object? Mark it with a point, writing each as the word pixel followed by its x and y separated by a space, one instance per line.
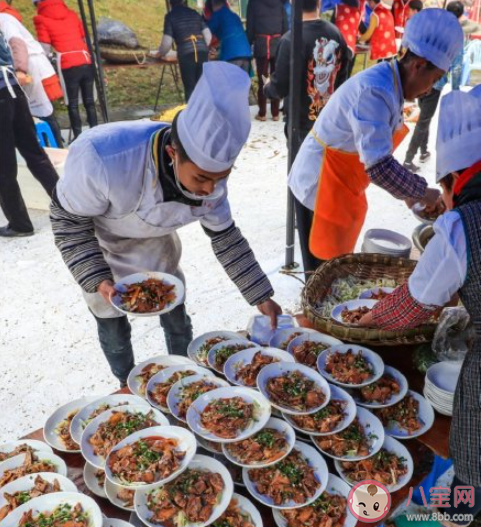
pixel 411 166
pixel 424 156
pixel 261 118
pixel 8 232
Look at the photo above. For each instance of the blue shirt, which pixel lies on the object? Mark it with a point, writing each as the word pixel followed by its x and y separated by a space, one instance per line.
pixel 228 28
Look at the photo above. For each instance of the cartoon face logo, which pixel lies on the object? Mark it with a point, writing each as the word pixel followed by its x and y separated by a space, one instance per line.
pixel 369 501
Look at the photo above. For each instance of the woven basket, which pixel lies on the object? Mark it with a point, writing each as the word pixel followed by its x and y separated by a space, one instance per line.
pixel 363 266
pixel 118 55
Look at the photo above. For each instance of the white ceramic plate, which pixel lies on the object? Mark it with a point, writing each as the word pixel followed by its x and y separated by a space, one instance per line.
pixel 281 336
pixel 337 394
pixel 92 482
pixel 395 398
pixel 210 446
pixel 371 425
pixel 247 507
pixel 114 522
pixel 278 369
pixel 37 446
pixel 87 449
pixel 169 279
pixel 351 305
pixel 17 461
pixel 371 357
pixel 50 428
pixel 186 443
pixel 200 463
pixel 395 447
pixel 262 412
pixel 444 376
pixel 313 458
pixel 367 295
pixel 211 356
pixel 320 338
pixel 199 355
pixel 276 424
pixel 112 491
pixel 242 358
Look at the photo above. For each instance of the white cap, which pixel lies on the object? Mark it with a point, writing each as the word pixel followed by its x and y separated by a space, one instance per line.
pixel 435 35
pixel 458 143
pixel 216 123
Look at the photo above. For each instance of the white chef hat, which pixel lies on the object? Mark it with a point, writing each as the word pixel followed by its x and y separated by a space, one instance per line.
pixel 435 35
pixel 216 123
pixel 458 143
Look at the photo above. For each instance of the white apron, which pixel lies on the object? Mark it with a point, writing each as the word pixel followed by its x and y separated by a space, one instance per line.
pixel 39 69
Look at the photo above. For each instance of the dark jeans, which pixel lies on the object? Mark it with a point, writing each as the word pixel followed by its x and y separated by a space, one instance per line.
pixel 17 130
pixel 191 70
pixel 114 337
pixel 57 132
pixel 244 64
pixel 265 67
pixel 419 140
pixel 80 79
pixel 304 218
pixel 462 508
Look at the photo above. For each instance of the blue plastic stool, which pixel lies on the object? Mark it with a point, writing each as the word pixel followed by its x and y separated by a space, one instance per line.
pixel 439 467
pixel 45 135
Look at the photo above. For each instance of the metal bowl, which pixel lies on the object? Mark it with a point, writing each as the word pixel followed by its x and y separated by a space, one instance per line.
pixel 422 234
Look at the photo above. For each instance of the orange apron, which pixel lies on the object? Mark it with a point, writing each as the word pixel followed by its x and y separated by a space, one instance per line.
pixel 341 203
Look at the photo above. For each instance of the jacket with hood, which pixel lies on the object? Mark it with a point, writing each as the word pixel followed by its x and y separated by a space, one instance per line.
pixel 266 23
pixel 9 10
pixel 61 27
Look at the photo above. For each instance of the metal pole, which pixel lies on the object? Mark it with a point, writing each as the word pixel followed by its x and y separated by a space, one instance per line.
pixel 294 139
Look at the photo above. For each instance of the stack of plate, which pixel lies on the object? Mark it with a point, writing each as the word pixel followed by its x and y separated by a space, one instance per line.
pixel 440 385
pixel 384 241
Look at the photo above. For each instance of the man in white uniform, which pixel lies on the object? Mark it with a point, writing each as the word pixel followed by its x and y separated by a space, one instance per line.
pixel 129 186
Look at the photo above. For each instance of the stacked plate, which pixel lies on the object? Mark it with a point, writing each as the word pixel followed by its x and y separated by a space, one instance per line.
pixel 440 385
pixel 388 242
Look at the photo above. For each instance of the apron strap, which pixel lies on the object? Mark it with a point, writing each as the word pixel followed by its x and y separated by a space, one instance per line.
pixel 6 70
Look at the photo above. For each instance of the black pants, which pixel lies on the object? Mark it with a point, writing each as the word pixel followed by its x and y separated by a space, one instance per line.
pixel 265 67
pixel 304 218
pixel 80 79
pixel 17 130
pixel 191 70
pixel 114 337
pixel 419 140
pixel 57 132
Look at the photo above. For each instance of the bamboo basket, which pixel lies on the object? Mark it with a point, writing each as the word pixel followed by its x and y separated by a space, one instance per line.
pixel 368 267
pixel 117 55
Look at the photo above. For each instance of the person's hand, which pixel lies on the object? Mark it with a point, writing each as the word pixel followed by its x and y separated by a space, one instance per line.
pixel 272 310
pixel 410 202
pixel 107 290
pixel 366 321
pixel 22 78
pixel 431 198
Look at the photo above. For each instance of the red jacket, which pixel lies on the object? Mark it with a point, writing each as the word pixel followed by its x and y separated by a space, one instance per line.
pixel 61 27
pixel 383 42
pixel 9 10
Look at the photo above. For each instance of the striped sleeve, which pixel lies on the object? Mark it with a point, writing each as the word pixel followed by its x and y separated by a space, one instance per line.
pixel 239 262
pixel 75 239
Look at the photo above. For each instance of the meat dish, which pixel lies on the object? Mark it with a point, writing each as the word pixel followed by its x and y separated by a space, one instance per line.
pixel 148 460
pixel 350 442
pixel 147 296
pixel 307 352
pixel 147 372
pixel 291 337
pixel 325 420
pixel 223 353
pixel 349 367
pixel 118 427
pixel 292 479
pixel 100 477
pixel 227 417
pixel 190 498
pixel 234 516
pixel 126 496
pixel 31 465
pixel 380 391
pixel 100 410
pixel 295 391
pixel 329 510
pixel 266 446
pixel 191 392
pixel 62 516
pixel 405 414
pixel 16 499
pixel 247 374
pixel 161 390
pixel 381 293
pixel 353 316
pixel 63 432
pixel 20 449
pixel 203 350
pixel 432 213
pixel 384 467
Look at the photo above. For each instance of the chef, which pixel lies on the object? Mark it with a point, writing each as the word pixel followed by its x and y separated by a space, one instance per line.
pixel 452 264
pixel 353 140
pixel 129 186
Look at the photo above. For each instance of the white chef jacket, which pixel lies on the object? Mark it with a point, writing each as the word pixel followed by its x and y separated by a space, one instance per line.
pixel 361 116
pixel 442 269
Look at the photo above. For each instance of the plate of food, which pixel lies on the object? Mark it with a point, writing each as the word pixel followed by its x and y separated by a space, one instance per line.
pixel 161 383
pixel 350 366
pixel 392 466
pixel 56 430
pixel 55 510
pixel 268 446
pixel 389 389
pixel 337 415
pixel 361 439
pixel 330 509
pixel 411 417
pixel 205 489
pixel 120 496
pixel 148 294
pixel 229 414
pixel 89 412
pixel 184 392
pixel 283 336
pixel 376 293
pixel 293 388
pixel 218 354
pixel 210 446
pixel 150 457
pixel 108 429
pixel 306 348
pixel 95 480
pixel 198 349
pixel 350 313
pixel 140 376
pixel 22 446
pixel 114 522
pixel 28 463
pixel 296 481
pixel 22 490
pixel 243 368
pixel 428 215
pixel 240 512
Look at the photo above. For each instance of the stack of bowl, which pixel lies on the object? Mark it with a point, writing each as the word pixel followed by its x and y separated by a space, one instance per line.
pixel 388 242
pixel 440 385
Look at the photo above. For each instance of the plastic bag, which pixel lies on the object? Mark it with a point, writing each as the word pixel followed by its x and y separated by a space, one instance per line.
pixel 260 330
pixel 114 33
pixel 454 334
